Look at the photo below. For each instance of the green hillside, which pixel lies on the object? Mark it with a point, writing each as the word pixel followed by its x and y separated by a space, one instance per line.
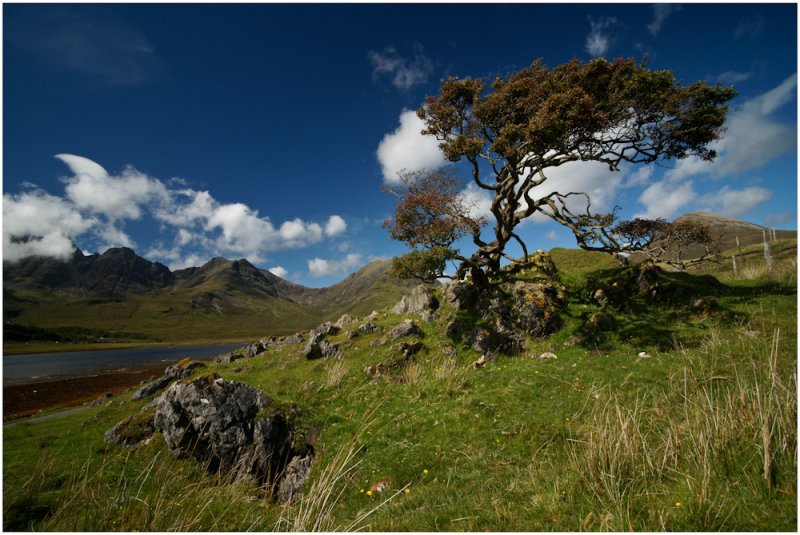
pixel 698 434
pixel 221 302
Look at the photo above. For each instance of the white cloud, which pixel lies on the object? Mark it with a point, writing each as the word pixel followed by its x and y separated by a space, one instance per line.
pixel 660 14
pixel 666 199
pixel 740 150
pixel 117 197
pixel 406 148
pixel 736 203
pixel 37 223
pixel 335 226
pixel 404 73
pixel 593 178
pixel 478 200
pixel 319 267
pixel 552 235
pixel 279 271
pixel 732 77
pixel 598 42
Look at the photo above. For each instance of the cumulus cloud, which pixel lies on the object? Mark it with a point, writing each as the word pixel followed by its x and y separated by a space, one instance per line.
pixel 319 267
pixel 739 150
pixel 660 14
pixel 666 199
pixel 117 197
pixel 99 203
pixel 404 73
pixel 735 203
pixel 335 226
pixel 406 148
pixel 37 223
pixel 598 42
pixel 279 271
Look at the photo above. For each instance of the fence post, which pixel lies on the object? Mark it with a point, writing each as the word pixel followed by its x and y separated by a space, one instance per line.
pixel 735 267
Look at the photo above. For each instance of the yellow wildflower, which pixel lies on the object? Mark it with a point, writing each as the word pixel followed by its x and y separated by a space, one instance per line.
pixel 369 493
pixel 408 491
pixel 425 471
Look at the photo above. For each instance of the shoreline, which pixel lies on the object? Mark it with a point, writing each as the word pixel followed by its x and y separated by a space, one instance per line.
pixel 35 349
pixel 28 399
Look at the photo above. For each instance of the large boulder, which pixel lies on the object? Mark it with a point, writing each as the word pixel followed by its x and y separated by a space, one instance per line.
pixel 421 299
pixel 230 427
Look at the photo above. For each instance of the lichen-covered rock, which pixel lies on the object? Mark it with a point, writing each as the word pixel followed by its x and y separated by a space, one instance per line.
pixel 535 307
pixel 704 306
pixel 421 299
pixel 229 427
pixel 405 329
pixel 324 329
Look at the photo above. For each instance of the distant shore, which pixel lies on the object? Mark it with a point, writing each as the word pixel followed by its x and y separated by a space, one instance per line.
pixel 20 401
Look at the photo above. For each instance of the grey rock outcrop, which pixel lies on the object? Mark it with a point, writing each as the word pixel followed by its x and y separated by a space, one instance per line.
pixel 420 300
pixel 235 429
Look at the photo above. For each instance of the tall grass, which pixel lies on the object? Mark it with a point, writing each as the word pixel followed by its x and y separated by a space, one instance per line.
pixel 119 493
pixel 709 435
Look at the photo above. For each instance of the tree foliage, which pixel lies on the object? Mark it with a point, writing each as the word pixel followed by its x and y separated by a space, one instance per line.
pixel 430 216
pixel 537 119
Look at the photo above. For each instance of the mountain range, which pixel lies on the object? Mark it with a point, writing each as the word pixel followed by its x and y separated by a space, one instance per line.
pixel 224 299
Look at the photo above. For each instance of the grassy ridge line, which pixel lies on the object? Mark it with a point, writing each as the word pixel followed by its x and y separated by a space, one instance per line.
pixel 700 437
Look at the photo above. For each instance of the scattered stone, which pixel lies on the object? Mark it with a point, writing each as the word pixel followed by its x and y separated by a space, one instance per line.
pixel 405 329
pixel 421 299
pixel 344 320
pixel 409 349
pixel 294 478
pixel 381 486
pixel 254 349
pixel 183 369
pixel 704 306
pixel 295 338
pixel 544 356
pixel 325 329
pixel 133 430
pixel 645 355
pixel 599 322
pixel 151 388
pixel 375 370
pixel 448 349
pixel 368 328
pixel 353 334
pixel 372 316
pixel 480 363
pixel 228 358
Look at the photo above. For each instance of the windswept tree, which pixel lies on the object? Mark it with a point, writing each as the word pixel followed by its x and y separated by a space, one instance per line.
pixel 514 133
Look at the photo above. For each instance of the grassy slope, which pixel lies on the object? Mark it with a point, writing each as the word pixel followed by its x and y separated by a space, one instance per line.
pixel 246 313
pixel 596 439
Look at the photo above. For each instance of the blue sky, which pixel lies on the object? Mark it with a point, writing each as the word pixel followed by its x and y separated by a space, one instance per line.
pixel 266 132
